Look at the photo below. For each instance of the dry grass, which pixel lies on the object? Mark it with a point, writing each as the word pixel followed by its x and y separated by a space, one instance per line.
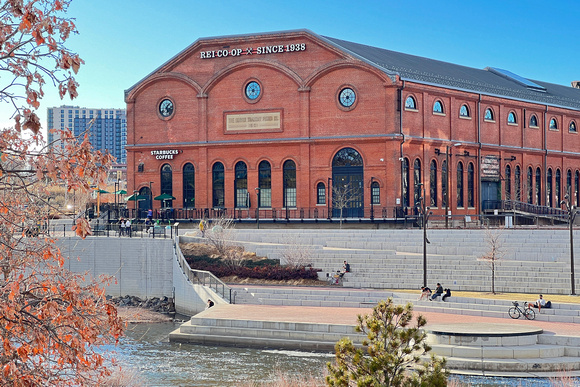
pixel 283 379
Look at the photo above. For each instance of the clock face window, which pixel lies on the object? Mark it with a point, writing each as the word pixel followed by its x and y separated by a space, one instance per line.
pixel 166 108
pixel 347 97
pixel 253 90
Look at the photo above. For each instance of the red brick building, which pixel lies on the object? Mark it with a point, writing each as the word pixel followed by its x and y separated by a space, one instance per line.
pixel 303 117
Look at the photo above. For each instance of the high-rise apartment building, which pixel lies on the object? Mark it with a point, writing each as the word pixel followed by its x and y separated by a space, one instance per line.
pixel 107 128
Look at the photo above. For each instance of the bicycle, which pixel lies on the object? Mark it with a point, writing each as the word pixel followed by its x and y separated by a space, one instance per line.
pixel 515 311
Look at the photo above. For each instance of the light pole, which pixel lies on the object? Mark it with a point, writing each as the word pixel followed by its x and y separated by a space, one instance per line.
pixel 329 198
pixel 372 201
pixel 572 211
pixel 422 204
pixel 258 207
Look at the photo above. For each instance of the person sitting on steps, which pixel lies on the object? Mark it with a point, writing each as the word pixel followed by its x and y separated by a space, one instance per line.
pixel 541 303
pixel 425 293
pixel 438 291
pixel 447 294
pixel 345 269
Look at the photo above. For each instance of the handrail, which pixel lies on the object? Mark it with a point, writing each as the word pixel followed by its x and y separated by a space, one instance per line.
pixel 202 277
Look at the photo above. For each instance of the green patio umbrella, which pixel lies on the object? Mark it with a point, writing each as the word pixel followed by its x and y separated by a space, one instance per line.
pixel 164 197
pixel 121 192
pixel 102 191
pixel 136 198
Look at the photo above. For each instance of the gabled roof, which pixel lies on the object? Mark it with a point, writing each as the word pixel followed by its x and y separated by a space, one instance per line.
pixel 449 75
pixel 488 81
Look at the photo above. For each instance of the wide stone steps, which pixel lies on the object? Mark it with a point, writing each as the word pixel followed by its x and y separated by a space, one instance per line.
pixel 264 334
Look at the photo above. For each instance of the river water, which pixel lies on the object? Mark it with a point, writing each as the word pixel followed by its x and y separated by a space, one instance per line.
pixel 147 350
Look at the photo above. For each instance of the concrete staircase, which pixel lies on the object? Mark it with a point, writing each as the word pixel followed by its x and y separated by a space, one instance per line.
pixel 533 260
pixel 515 351
pixel 263 334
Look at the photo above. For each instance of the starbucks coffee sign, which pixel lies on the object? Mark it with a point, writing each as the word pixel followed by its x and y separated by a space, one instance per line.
pixel 165 154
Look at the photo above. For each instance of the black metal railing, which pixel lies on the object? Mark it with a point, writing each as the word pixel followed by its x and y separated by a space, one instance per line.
pixel 202 277
pixel 523 207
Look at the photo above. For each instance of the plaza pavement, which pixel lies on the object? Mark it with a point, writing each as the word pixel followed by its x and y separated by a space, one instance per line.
pixel 348 316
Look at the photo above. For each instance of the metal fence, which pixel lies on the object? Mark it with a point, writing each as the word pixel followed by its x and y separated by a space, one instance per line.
pixel 202 277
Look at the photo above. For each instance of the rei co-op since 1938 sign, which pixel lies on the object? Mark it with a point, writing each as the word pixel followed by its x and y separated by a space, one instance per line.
pixel 259 50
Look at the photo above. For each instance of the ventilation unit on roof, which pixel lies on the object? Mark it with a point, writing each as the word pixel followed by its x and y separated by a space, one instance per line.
pixel 516 78
pixel 576 84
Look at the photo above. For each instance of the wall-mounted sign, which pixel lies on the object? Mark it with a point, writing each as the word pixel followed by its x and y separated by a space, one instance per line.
pixel 165 154
pixel 260 50
pixel 253 121
pixel 490 167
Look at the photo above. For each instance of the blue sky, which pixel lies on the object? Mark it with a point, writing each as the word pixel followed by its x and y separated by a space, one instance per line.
pixel 124 40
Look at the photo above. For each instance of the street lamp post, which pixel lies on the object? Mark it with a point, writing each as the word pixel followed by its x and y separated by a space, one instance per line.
pixel 258 207
pixel 422 204
pixel 572 211
pixel 329 200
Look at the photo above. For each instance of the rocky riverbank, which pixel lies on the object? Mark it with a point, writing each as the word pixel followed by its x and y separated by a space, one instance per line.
pixel 136 310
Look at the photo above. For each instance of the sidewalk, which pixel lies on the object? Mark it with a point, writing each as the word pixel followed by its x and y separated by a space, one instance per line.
pixel 348 316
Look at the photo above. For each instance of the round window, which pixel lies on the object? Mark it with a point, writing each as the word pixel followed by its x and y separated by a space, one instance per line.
pixel 253 90
pixel 166 108
pixel 347 97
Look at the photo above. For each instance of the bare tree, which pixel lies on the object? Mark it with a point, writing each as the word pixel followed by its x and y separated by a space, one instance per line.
pixel 220 234
pixel 296 254
pixel 343 196
pixel 494 254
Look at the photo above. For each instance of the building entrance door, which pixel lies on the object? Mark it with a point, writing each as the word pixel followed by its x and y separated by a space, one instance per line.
pixel 347 184
pixel 490 195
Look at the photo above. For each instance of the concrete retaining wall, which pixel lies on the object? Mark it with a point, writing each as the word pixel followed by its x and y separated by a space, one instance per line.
pixel 141 267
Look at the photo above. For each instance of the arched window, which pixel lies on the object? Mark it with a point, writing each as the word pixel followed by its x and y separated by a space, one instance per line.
pixel 140 167
pixel 488 115
pixel 438 107
pixel 508 184
pixel 444 183
pixel 518 183
pixel 572 127
pixel 568 181
pixel 265 184
pixel 347 183
pixel 533 121
pixel 166 184
pixel 558 187
pixel 553 124
pixel 470 185
pixel 410 103
pixel 530 187
pixel 289 184
pixel 464 111
pixel 188 186
pixel 549 188
pixel 375 193
pixel 218 185
pixel 320 193
pixel 405 167
pixel 433 183
pixel 460 184
pixel 538 186
pixel 512 118
pixel 416 181
pixel 241 185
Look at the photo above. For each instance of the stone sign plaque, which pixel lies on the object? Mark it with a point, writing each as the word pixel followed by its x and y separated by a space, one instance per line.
pixel 267 121
pixel 490 167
